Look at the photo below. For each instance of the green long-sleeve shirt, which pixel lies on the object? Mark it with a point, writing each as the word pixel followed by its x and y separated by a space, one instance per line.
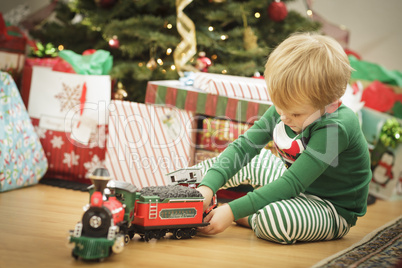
pixel 334 165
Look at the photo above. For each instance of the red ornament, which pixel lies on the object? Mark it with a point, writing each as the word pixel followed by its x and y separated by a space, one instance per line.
pixel 105 3
pixel 203 62
pixel 277 11
pixel 89 52
pixel 114 42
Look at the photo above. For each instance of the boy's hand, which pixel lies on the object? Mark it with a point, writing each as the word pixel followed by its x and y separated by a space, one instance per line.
pixel 219 219
pixel 207 193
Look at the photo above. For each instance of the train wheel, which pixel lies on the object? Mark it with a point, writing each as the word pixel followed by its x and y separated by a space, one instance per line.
pixel 192 232
pixel 160 234
pixel 118 245
pixel 178 234
pixel 127 238
pixel 146 236
pixel 75 256
pixel 131 234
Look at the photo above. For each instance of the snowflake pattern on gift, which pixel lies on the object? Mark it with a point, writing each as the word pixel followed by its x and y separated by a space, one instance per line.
pixel 69 97
pixel 41 132
pixel 71 159
pixel 92 165
pixel 57 142
pixel 98 138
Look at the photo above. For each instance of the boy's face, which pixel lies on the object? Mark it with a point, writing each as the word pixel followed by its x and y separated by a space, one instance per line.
pixel 299 116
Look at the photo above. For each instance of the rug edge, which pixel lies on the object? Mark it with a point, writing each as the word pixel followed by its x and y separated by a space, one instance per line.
pixel 362 241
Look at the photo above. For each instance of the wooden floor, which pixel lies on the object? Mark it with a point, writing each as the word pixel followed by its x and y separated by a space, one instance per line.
pixel 34 224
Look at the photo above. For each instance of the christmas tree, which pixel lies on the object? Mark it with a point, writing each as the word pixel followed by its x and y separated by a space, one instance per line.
pixel 159 40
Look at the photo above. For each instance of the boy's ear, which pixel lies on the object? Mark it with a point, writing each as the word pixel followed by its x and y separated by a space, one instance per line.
pixel 330 108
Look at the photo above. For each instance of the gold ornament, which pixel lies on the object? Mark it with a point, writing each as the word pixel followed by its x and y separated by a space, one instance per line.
pixel 249 38
pixel 121 93
pixel 186 49
pixel 151 64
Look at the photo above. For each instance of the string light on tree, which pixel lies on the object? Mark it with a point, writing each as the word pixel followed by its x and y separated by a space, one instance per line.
pixel 277 11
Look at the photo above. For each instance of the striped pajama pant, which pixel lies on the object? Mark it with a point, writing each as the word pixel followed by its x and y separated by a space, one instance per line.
pixel 302 218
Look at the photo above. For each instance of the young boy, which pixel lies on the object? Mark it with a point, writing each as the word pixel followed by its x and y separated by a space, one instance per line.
pixel 318 186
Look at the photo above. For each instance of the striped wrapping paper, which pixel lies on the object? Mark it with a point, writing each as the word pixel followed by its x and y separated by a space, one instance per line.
pixel 232 86
pixel 173 94
pixel 148 141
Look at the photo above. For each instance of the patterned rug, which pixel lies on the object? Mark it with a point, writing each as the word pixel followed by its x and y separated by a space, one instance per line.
pixel 381 248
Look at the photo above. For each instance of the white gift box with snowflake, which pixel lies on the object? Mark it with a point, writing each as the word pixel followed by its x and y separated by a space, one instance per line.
pixel 69 112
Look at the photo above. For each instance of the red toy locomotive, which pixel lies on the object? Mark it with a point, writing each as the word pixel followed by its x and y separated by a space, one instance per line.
pixel 118 210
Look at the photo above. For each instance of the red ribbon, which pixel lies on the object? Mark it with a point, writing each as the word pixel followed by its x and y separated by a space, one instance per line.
pixel 388 169
pixel 82 100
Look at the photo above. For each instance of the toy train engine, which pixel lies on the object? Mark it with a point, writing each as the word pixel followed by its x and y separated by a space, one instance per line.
pixel 172 209
pixel 104 225
pixel 118 210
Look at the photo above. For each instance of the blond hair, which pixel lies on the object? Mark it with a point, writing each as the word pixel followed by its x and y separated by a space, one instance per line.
pixel 308 68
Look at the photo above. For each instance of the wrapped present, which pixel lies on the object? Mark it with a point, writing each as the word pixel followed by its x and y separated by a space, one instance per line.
pixel 146 142
pixel 381 97
pixel 218 133
pixel 173 93
pixel 384 135
pixel 22 159
pixel 27 74
pixel 13 44
pixel 369 71
pixel 95 62
pixel 69 112
pixel 232 86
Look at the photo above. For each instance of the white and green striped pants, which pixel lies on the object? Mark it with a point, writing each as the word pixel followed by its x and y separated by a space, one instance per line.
pixel 303 218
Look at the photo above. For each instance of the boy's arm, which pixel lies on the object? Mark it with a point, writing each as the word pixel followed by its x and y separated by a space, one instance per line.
pixel 241 151
pixel 304 171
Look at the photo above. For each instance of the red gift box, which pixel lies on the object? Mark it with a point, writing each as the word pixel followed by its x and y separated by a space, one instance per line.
pixel 13 43
pixel 70 160
pixel 50 97
pixel 218 133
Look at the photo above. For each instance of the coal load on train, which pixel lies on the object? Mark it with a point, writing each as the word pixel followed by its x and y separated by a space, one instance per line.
pixel 170 191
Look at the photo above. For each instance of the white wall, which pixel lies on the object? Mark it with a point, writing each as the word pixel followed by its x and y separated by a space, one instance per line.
pixel 374 25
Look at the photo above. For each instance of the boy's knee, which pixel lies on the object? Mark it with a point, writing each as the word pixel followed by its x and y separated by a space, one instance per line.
pixel 269 225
